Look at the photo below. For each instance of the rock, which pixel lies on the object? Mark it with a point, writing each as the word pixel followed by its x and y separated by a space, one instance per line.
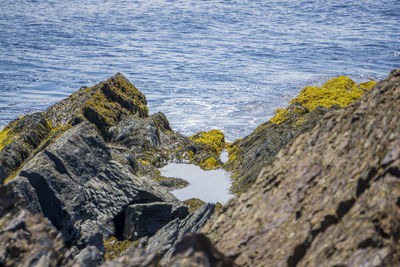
pixel 146 219
pixel 26 239
pixel 88 257
pixel 3 174
pixel 134 257
pixel 330 198
pixel 172 183
pixel 194 204
pixel 20 138
pixel 197 250
pixel 249 155
pixel 75 182
pixel 104 105
pixel 167 237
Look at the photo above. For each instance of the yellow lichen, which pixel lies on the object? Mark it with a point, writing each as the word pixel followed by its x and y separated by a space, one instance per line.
pixel 113 247
pixel 7 135
pixel 367 85
pixel 280 116
pixel 193 204
pixel 337 91
pixel 143 162
pixel 210 164
pixel 218 207
pixel 112 100
pixel 214 139
pixel 233 149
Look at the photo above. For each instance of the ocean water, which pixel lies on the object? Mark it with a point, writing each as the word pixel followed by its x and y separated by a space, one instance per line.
pixel 206 64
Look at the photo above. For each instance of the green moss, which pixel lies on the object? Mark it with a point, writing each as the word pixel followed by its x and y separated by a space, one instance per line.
pixel 214 139
pixel 194 204
pixel 113 247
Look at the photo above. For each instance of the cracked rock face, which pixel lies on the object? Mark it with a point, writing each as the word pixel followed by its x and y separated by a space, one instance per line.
pixel 75 184
pixel 26 239
pixel 330 198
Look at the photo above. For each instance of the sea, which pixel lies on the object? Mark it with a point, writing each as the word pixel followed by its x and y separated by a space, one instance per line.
pixel 206 64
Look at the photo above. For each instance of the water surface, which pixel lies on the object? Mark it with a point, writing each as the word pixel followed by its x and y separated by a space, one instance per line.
pixel 207 185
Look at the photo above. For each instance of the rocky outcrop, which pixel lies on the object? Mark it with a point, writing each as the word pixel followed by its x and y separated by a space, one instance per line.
pixel 248 155
pixel 89 160
pixel 165 240
pixel 194 250
pixel 330 198
pixel 146 219
pixel 26 239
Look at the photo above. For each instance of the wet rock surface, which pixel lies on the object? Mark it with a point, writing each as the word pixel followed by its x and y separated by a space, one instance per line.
pixel 330 198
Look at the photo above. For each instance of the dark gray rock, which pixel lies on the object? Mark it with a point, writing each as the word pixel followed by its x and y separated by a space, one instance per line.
pixel 167 237
pixel 3 174
pixel 75 182
pixel 88 257
pixel 146 219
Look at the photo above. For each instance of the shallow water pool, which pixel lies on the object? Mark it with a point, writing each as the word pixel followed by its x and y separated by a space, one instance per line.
pixel 209 186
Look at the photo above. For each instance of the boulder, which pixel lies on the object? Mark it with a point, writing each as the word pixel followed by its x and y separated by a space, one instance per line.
pixel 330 198
pixel 78 186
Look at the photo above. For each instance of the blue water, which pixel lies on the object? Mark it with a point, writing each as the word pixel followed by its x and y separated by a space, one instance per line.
pixel 205 64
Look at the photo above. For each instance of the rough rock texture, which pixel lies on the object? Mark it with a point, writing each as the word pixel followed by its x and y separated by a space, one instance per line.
pixel 250 154
pixel 176 244
pixel 329 199
pixel 76 184
pixel 146 219
pixel 166 238
pixel 26 239
pixel 82 162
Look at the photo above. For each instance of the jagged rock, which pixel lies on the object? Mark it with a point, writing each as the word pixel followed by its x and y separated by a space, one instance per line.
pixel 172 183
pixel 75 182
pixel 146 219
pixel 167 237
pixel 134 257
pixel 26 239
pixel 197 250
pixel 88 257
pixel 250 154
pixel 331 198
pixel 20 138
pixel 193 250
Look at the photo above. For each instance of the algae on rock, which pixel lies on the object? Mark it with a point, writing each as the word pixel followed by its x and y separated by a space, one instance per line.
pixel 248 155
